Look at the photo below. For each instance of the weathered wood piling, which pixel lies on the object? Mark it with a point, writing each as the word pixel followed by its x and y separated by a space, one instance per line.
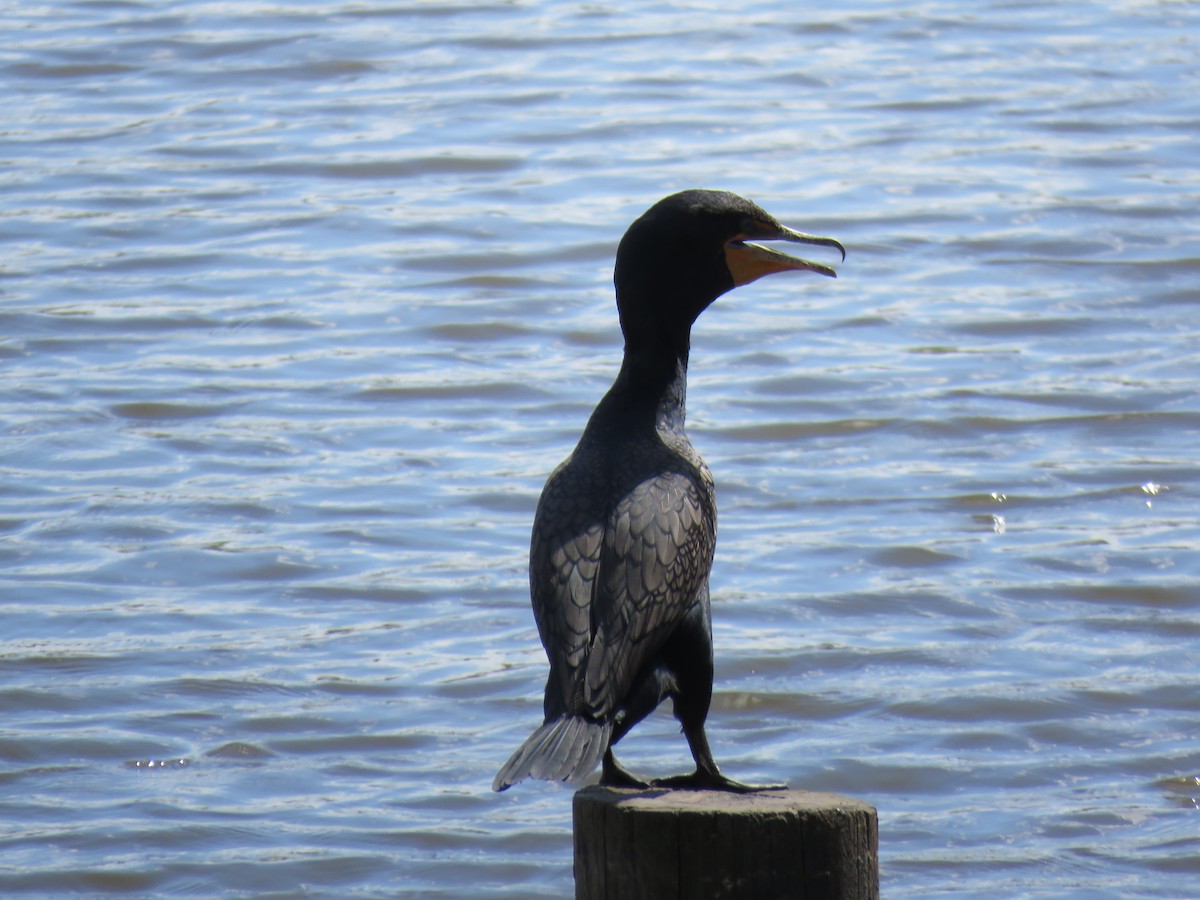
pixel 703 845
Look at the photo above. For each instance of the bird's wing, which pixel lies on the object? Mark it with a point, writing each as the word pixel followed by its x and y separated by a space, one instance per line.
pixel 564 559
pixel 657 552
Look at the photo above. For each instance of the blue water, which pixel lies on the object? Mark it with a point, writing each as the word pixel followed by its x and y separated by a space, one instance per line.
pixel 300 304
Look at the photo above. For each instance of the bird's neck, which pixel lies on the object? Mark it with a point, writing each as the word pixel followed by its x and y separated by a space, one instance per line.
pixel 653 381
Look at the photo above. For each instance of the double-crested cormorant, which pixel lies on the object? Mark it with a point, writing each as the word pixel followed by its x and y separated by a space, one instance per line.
pixel 624 532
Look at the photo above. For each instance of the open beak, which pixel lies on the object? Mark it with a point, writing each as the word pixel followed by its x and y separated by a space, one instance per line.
pixel 748 262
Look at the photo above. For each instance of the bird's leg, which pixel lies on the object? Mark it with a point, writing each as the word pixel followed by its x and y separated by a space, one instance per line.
pixel 689 656
pixel 707 776
pixel 613 774
pixel 642 701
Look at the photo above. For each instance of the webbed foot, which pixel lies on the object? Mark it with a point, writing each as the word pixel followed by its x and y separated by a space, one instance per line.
pixel 613 774
pixel 703 780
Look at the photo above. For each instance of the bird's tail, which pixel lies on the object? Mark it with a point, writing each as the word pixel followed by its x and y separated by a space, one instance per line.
pixel 563 749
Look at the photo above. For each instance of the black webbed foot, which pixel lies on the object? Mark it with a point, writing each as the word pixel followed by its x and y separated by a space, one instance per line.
pixel 613 774
pixel 702 780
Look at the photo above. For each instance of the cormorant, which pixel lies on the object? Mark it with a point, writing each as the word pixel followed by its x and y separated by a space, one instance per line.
pixel 625 529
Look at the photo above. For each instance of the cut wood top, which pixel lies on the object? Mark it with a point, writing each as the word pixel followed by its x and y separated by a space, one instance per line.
pixel 758 802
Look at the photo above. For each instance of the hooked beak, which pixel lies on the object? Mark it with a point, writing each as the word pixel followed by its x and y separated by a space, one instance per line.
pixel 748 262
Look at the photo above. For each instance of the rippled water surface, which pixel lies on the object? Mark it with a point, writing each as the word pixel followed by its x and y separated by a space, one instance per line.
pixel 300 303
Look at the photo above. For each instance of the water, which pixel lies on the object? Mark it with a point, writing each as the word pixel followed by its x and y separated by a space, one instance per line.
pixel 300 304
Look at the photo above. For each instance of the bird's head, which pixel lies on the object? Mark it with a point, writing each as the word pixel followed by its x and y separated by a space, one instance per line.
pixel 692 247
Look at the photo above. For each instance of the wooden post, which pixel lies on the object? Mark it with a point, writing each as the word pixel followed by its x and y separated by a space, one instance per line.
pixel 703 845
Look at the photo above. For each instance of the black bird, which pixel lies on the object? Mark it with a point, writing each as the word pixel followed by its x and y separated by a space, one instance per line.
pixel 624 533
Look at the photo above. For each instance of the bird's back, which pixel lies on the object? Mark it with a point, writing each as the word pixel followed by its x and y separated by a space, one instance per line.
pixel 622 545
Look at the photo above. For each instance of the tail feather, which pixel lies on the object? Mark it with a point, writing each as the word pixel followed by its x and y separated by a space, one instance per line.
pixel 563 749
pixel 557 756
